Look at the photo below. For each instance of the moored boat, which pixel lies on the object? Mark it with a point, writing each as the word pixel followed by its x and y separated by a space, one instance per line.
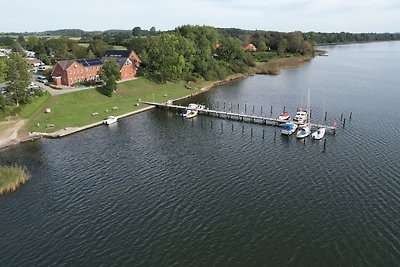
pixel 289 128
pixel 110 120
pixel 318 134
pixel 192 110
pixel 284 116
pixel 301 116
pixel 304 132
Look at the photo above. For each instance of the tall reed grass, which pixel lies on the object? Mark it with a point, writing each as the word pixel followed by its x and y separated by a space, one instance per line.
pixel 11 177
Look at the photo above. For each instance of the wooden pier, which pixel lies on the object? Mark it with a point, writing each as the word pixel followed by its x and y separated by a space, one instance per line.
pixel 234 116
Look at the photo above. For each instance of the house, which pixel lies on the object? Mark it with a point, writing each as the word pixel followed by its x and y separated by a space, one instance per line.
pixel 34 62
pixel 127 61
pixel 70 72
pixel 250 47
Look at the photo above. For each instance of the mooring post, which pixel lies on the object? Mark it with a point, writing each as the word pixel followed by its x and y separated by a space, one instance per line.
pixel 224 105
pixel 324 145
pixel 222 126
pixel 344 123
pixel 192 123
pixel 351 113
pixel 304 142
pixel 275 135
pixel 251 132
pixel 263 134
pixel 284 109
pixel 326 113
pixel 271 109
pixel 231 107
pixel 310 113
pixel 253 109
pixel 261 110
pixel 232 127
pixel 242 128
pixel 341 117
pixel 211 124
pixel 245 108
pixel 238 108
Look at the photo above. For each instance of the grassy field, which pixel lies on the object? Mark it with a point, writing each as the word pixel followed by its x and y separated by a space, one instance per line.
pixel 11 177
pixel 76 109
pixel 28 110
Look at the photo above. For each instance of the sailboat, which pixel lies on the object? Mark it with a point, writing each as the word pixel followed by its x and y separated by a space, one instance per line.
pixel 306 129
pixel 320 132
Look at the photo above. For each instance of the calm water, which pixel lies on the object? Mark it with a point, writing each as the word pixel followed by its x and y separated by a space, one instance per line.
pixel 156 190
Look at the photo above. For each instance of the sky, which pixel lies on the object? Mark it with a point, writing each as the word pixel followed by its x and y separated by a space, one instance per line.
pixel 277 15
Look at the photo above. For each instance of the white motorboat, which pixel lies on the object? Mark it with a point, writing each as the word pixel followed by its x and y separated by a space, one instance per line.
pixel 304 132
pixel 289 128
pixel 301 116
pixel 192 110
pixel 318 134
pixel 110 120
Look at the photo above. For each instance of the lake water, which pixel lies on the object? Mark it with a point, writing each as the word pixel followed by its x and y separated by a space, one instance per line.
pixel 157 190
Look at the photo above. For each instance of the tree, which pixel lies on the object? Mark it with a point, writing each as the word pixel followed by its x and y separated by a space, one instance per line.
pixel 2 71
pixel 137 31
pixel 21 40
pixel 110 74
pixel 98 47
pixel 2 103
pixel 153 31
pixel 18 78
pixel 171 58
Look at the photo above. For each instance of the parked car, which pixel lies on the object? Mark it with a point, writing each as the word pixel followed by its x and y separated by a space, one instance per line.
pixel 42 79
pixel 33 86
pixel 34 70
pixel 41 68
pixel 3 90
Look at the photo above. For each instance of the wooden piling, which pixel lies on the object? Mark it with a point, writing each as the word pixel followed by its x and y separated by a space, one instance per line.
pixel 242 128
pixel 351 113
pixel 253 109
pixel 341 117
pixel 263 134
pixel 271 109
pixel 261 110
pixel 284 109
pixel 275 135
pixel 324 145
pixel 245 108
pixel 232 127
pixel 211 124
pixel 222 126
pixel 251 132
pixel 238 108
pixel 344 122
pixel 326 113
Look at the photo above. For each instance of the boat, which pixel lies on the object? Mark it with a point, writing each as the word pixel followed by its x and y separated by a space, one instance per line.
pixel 301 116
pixel 284 116
pixel 192 110
pixel 289 128
pixel 318 134
pixel 110 120
pixel 306 129
pixel 304 132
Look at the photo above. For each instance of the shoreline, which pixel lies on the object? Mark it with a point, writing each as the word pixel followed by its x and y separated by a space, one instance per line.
pixel 72 130
pixel 283 63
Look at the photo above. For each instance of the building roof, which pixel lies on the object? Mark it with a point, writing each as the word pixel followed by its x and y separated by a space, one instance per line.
pixel 119 61
pixel 65 64
pixel 87 62
pixel 117 53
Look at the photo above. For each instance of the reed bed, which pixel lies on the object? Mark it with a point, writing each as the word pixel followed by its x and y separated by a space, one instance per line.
pixel 11 177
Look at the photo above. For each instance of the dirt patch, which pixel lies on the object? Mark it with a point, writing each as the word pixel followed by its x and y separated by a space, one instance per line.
pixel 9 132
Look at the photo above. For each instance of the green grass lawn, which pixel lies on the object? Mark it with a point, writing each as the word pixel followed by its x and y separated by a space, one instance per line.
pixel 119 47
pixel 37 103
pixel 76 109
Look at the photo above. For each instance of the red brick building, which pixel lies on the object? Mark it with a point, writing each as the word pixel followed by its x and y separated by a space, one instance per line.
pixel 70 72
pixel 127 61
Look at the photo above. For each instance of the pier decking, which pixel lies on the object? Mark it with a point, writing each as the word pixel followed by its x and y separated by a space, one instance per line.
pixel 235 116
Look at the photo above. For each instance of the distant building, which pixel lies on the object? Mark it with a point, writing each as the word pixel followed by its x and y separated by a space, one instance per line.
pixel 250 47
pixel 34 62
pixel 70 72
pixel 127 61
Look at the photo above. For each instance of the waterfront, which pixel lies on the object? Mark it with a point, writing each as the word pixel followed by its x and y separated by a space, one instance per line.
pixel 156 190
